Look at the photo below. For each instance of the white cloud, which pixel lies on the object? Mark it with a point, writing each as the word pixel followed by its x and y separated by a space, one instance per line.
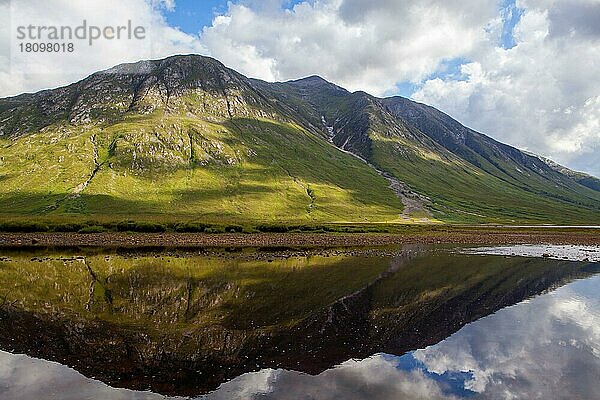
pixel 361 45
pixel 169 5
pixel 21 72
pixel 542 94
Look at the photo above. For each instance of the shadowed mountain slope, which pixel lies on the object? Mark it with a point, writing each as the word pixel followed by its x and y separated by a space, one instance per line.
pixel 466 175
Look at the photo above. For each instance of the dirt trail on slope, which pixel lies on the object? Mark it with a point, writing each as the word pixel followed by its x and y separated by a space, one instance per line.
pixel 415 205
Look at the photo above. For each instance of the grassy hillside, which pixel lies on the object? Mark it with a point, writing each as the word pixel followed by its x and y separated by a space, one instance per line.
pixel 468 177
pixel 501 181
pixel 463 194
pixel 172 167
pixel 186 139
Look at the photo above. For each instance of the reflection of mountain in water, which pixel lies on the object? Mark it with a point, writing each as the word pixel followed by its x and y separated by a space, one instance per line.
pixel 184 324
pixel 543 348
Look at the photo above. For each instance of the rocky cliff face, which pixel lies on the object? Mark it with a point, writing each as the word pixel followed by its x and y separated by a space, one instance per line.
pixel 192 85
pixel 583 179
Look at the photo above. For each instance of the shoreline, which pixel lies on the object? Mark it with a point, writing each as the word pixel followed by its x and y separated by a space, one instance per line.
pixel 470 236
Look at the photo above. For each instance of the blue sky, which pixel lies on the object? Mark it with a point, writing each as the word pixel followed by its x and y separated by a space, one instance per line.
pixel 511 15
pixel 192 15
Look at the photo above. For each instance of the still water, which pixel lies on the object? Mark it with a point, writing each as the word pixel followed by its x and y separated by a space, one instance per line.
pixel 404 323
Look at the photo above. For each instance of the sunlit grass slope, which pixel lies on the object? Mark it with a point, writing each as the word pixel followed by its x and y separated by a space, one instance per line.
pixel 461 193
pixel 181 168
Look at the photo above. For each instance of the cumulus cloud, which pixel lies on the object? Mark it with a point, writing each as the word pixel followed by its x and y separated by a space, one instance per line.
pixel 571 17
pixel 542 94
pixel 22 71
pixel 361 45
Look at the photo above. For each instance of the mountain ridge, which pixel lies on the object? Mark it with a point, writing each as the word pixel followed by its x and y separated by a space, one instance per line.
pixel 186 137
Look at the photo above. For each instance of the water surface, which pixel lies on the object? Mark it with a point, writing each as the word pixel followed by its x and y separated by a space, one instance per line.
pixel 353 324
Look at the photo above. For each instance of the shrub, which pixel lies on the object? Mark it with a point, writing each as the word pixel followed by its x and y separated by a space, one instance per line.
pixel 272 228
pixel 92 229
pixel 214 229
pixel 190 227
pixel 67 227
pixel 234 228
pixel 23 227
pixel 126 226
pixel 148 227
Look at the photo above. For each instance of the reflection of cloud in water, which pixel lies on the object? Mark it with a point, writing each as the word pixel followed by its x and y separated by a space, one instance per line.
pixel 376 377
pixel 27 378
pixel 546 347
pixel 557 252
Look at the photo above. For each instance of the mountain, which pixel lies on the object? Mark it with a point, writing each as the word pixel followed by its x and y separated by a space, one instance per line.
pixel 582 178
pixel 188 139
pixel 466 176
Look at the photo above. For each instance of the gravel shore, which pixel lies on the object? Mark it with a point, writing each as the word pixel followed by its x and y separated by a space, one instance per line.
pixel 473 236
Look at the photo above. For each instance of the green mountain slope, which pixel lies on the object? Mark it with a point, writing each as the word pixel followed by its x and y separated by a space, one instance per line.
pixel 527 171
pixel 187 139
pixel 180 138
pixel 468 177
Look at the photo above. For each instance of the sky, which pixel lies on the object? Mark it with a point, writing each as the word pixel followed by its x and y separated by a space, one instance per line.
pixel 524 72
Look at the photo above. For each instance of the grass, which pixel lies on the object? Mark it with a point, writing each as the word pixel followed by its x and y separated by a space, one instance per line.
pixel 108 224
pixel 246 171
pixel 249 173
pixel 461 193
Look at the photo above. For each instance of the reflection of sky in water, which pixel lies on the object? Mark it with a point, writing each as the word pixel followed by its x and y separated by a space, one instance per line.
pixel 26 378
pixel 546 347
pixel 557 252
